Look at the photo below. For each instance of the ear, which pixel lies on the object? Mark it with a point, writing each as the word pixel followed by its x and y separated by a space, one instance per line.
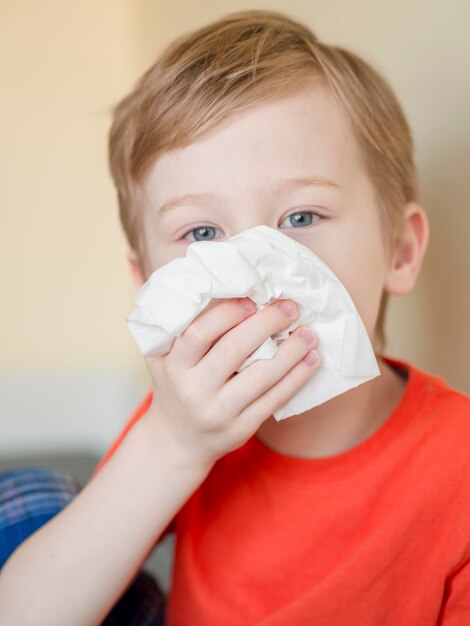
pixel 135 268
pixel 408 251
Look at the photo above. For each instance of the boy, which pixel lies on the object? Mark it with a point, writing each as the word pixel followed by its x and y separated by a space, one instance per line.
pixel 355 512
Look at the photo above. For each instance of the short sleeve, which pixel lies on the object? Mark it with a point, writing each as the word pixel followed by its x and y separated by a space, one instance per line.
pixel 456 608
pixel 139 412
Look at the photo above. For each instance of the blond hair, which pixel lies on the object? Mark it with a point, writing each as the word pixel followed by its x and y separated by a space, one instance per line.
pixel 241 60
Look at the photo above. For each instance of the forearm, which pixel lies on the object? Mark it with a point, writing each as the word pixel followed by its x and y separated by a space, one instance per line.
pixel 74 569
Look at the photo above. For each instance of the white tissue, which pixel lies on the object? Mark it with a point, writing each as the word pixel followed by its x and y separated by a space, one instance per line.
pixel 263 264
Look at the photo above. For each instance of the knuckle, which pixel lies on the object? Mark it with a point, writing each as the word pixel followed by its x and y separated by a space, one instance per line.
pixel 183 396
pixel 268 402
pixel 171 377
pixel 230 345
pixel 259 377
pixel 219 406
pixel 186 394
pixel 274 398
pixel 239 435
pixel 170 370
pixel 195 335
pixel 210 418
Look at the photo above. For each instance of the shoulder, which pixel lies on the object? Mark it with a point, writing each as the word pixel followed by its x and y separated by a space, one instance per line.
pixel 434 390
pixel 438 410
pixel 451 409
pixel 443 398
pixel 445 409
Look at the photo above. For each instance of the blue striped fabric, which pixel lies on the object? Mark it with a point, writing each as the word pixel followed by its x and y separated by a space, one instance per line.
pixel 30 497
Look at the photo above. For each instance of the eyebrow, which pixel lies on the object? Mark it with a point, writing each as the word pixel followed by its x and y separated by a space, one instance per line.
pixel 286 185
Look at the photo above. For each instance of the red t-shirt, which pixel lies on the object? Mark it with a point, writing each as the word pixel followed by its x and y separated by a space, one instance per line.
pixel 376 536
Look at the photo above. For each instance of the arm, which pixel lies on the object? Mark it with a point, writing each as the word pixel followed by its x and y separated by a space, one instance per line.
pixel 73 570
pixel 140 411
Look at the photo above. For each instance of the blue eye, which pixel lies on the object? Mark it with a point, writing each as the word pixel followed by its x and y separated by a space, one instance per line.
pixel 202 233
pixel 207 233
pixel 300 220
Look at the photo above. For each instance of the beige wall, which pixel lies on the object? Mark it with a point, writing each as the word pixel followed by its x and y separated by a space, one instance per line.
pixel 66 289
pixel 65 284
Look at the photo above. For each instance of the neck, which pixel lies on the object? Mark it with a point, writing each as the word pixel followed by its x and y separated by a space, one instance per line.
pixel 339 424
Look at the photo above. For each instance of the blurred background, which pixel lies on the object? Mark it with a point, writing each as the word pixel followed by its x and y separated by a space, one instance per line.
pixel 70 372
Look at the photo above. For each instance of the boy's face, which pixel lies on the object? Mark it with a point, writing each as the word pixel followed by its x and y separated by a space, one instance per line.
pixel 239 178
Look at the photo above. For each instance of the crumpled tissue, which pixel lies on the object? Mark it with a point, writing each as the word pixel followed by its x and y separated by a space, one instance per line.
pixel 263 264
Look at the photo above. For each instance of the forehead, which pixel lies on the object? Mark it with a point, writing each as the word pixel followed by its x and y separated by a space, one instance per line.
pixel 303 133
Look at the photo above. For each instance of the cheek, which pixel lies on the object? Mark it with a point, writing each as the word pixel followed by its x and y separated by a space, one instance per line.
pixel 157 249
pixel 361 271
pixel 364 284
pixel 159 253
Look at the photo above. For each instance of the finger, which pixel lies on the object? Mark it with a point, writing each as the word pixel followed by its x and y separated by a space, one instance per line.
pixel 226 356
pixel 276 397
pixel 213 322
pixel 252 383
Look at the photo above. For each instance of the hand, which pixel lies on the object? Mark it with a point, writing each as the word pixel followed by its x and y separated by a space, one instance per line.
pixel 201 402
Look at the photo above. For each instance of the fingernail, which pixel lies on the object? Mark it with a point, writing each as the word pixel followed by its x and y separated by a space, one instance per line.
pixel 288 308
pixel 306 335
pixel 311 358
pixel 247 304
